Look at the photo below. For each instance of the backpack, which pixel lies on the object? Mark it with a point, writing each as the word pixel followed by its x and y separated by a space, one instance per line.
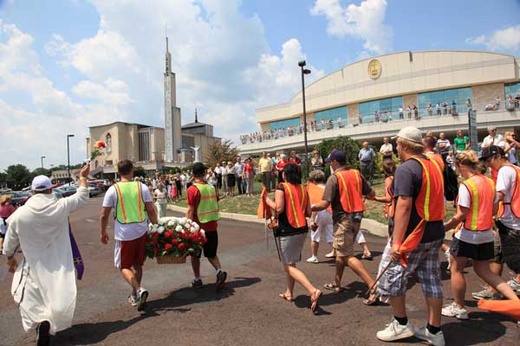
pixel 451 182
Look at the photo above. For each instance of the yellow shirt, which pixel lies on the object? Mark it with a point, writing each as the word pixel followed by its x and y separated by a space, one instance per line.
pixel 265 165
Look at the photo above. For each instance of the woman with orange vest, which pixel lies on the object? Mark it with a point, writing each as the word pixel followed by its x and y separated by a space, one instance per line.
pixel 292 207
pixel 477 202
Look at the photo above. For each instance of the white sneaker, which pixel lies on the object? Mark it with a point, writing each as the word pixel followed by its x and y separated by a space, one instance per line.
pixel 395 331
pixel 486 294
pixel 448 258
pixel 132 300
pixel 433 339
pixel 313 259
pixel 142 295
pixel 453 311
pixel 515 286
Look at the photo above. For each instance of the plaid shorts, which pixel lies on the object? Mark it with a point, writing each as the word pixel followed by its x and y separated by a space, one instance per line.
pixel 423 262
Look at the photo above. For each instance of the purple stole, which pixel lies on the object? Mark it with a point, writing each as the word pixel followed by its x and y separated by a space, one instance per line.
pixel 76 256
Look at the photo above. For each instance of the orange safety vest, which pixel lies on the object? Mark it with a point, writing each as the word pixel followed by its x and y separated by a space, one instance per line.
pixel 482 192
pixel 316 194
pixel 430 201
pixel 389 207
pixel 296 200
pixel 514 204
pixel 437 158
pixel 350 190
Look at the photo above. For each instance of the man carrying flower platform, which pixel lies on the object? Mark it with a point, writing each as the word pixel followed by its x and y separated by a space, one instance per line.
pixel 134 206
pixel 203 209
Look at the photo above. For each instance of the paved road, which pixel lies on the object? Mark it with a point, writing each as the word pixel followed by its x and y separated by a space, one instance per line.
pixel 248 311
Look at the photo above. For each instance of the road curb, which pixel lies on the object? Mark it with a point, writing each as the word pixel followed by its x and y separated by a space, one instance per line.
pixel 367 225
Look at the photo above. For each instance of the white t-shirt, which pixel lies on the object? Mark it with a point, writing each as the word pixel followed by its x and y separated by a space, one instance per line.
pixel 129 231
pixel 490 140
pixel 506 183
pixel 161 196
pixel 469 236
pixel 385 147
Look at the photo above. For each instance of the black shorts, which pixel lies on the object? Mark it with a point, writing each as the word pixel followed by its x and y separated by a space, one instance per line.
pixel 211 246
pixel 478 252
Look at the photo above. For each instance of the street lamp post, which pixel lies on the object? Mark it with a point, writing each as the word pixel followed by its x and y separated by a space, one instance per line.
pixel 304 71
pixel 41 160
pixel 68 156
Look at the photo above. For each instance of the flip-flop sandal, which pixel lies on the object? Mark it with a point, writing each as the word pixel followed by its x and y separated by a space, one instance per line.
pixel 375 300
pixel 286 297
pixel 315 297
pixel 334 288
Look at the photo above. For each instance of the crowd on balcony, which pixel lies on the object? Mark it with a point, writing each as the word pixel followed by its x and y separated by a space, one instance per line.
pixel 412 111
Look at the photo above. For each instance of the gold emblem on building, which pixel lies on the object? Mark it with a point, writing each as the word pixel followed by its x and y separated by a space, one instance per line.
pixel 374 69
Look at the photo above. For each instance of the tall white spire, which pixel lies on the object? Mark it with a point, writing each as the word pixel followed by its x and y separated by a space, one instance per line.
pixel 172 114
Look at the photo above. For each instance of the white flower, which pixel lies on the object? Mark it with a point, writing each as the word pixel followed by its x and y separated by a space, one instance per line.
pixel 197 227
pixel 182 220
pixel 161 222
pixel 192 229
pixel 203 232
pixel 160 230
pixel 171 223
pixel 178 228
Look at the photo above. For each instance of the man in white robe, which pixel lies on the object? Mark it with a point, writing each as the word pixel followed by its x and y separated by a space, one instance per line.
pixel 44 284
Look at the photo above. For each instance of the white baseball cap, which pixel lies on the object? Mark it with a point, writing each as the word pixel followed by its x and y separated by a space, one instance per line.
pixel 41 183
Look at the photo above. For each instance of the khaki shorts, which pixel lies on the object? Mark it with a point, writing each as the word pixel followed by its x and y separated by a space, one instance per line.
pixel 345 232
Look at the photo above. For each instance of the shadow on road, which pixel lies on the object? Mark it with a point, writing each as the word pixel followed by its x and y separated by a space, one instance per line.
pixel 92 333
pixel 482 328
pixel 179 300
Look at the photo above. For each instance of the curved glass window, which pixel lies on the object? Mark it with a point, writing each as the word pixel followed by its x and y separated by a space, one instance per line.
pixel 380 110
pixel 450 101
pixel 284 124
pixel 335 117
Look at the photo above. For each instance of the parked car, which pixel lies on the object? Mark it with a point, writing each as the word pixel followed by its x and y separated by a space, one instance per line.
pixel 94 190
pixel 18 198
pixel 66 191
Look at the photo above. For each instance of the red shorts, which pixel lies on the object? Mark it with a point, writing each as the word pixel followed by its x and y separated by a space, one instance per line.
pixel 133 252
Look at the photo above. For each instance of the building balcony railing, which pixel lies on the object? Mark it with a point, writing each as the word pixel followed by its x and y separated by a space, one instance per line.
pixel 286 139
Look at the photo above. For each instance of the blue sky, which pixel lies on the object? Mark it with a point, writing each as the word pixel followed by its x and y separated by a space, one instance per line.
pixel 66 65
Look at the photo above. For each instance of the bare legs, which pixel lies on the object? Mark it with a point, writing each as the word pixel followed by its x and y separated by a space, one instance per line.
pixel 482 269
pixel 293 275
pixel 133 276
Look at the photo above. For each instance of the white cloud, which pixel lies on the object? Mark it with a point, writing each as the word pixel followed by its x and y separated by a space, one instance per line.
pixel 507 39
pixel 222 61
pixel 365 21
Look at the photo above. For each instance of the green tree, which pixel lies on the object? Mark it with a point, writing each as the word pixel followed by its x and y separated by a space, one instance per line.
pixel 220 151
pixel 350 146
pixel 18 176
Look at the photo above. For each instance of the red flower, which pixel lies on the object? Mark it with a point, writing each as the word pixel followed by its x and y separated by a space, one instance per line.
pixel 181 246
pixel 99 144
pixel 175 241
pixel 168 233
pixel 167 246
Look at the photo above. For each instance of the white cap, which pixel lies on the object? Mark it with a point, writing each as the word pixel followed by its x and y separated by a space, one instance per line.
pixel 411 134
pixel 41 183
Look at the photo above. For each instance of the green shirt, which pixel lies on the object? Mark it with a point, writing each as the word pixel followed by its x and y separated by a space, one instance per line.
pixel 460 143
